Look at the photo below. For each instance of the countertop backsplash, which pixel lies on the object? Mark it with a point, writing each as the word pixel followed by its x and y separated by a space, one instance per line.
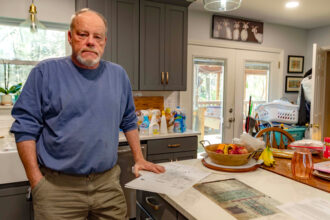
pixel 171 99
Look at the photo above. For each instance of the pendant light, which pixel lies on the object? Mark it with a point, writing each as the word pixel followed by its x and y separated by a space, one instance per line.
pixel 32 21
pixel 221 5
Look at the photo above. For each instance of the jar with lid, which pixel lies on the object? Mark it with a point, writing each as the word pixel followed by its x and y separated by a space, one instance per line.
pixel 326 148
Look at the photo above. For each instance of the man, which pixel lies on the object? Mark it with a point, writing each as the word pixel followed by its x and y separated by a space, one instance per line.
pixel 67 123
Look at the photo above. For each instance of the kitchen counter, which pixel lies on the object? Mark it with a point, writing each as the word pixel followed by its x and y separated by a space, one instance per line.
pixel 12 170
pixel 194 205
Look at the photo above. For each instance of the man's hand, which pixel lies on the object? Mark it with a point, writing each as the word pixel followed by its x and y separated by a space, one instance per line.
pixel 35 180
pixel 146 165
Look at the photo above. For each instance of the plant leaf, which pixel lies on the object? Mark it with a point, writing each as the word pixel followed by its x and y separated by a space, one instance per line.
pixel 3 90
pixel 15 88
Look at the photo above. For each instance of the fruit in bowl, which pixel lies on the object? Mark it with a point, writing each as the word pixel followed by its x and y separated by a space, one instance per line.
pixel 231 149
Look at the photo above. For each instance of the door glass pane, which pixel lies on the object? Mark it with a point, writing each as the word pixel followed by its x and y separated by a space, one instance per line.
pixel 208 98
pixel 256 85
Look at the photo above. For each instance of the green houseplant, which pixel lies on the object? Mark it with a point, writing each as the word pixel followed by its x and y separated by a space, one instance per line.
pixel 6 99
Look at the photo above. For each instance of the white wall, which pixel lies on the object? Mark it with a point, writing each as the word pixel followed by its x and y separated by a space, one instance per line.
pixel 321 36
pixel 291 40
pixel 58 11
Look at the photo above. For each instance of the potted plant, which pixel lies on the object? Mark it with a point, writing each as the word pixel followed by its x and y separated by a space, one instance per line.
pixel 6 99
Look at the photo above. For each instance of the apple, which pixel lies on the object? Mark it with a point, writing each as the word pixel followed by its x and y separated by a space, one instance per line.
pixel 218 151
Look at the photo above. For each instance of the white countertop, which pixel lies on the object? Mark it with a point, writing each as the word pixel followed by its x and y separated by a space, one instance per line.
pixel 194 205
pixel 12 170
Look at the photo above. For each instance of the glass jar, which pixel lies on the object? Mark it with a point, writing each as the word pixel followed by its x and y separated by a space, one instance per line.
pixel 326 148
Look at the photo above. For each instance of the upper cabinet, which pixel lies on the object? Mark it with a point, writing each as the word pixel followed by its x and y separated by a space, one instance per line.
pixel 163 46
pixel 148 38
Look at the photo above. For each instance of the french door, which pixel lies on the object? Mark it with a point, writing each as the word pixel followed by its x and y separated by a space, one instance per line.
pixel 218 82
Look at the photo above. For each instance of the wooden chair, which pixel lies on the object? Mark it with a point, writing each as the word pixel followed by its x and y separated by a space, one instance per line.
pixel 268 135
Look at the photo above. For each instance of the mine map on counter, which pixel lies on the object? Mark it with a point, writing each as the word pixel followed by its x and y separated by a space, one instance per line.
pixel 239 199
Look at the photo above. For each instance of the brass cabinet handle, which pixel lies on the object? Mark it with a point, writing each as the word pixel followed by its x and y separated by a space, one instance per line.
pixel 173 145
pixel 167 75
pixel 149 200
pixel 162 77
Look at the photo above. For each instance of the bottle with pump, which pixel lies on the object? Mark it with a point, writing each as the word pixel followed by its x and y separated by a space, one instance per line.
pixel 163 125
pixel 144 127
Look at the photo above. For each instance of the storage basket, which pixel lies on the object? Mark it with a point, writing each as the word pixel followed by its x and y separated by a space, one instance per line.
pixel 297 133
pixel 278 111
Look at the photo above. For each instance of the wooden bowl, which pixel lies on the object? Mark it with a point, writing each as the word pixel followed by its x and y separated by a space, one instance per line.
pixel 229 159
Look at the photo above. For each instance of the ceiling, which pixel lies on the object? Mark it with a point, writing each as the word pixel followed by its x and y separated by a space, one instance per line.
pixel 310 14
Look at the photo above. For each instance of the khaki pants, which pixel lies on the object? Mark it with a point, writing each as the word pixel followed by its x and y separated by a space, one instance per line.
pixel 94 197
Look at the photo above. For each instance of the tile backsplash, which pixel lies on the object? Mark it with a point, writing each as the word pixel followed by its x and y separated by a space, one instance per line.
pixel 171 99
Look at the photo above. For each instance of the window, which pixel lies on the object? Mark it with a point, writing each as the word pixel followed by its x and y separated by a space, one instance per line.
pixel 21 50
pixel 256 84
pixel 208 98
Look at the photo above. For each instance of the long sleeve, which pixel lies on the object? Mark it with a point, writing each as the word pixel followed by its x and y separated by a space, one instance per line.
pixel 28 109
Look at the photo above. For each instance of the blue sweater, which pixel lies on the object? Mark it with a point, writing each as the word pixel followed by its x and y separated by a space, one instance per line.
pixel 74 114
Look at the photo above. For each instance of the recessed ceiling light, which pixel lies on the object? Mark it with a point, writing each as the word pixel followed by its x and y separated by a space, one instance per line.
pixel 292 4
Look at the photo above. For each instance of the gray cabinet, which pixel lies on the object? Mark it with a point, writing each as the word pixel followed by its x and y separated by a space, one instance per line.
pixel 163 46
pixel 13 203
pixel 152 206
pixel 172 149
pixel 123 33
pixel 148 39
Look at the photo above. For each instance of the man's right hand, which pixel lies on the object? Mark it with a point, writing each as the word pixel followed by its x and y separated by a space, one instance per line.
pixel 35 180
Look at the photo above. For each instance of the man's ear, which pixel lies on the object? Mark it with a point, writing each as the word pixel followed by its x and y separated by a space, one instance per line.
pixel 69 37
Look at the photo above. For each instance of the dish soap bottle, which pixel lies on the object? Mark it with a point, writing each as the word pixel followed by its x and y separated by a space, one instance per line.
pixel 163 125
pixel 144 127
pixel 154 126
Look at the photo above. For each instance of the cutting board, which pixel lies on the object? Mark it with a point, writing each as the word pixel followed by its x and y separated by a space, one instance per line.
pixel 149 102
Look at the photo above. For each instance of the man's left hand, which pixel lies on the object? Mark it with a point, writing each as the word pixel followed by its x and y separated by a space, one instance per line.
pixel 146 165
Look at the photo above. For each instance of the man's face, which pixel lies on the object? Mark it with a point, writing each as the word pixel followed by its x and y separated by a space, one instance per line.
pixel 87 40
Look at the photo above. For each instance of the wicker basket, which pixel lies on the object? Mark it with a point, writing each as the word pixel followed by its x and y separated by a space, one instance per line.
pixel 229 159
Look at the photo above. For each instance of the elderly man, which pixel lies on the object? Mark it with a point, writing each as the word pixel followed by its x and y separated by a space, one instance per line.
pixel 67 124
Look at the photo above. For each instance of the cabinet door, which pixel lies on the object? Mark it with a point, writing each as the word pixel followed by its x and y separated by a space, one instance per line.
pixel 176 47
pixel 152 30
pixel 125 38
pixel 13 204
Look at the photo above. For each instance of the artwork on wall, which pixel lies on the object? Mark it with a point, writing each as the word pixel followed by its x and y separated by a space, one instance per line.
pixel 295 64
pixel 237 29
pixel 292 83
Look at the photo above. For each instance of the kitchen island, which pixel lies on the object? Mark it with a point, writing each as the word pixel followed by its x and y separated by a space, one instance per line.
pixel 194 205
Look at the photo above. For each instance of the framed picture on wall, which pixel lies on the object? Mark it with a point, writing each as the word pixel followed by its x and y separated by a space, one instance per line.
pixel 292 83
pixel 237 29
pixel 295 64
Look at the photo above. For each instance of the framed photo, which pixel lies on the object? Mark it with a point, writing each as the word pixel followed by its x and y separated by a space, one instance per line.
pixel 292 83
pixel 295 64
pixel 237 29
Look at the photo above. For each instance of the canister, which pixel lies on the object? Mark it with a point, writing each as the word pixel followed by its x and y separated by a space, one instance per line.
pixel 326 149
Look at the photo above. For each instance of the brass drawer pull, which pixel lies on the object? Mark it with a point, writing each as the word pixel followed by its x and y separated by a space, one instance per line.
pixel 162 78
pixel 152 202
pixel 173 145
pixel 167 76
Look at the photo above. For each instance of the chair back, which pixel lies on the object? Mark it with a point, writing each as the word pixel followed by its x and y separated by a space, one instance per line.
pixel 268 134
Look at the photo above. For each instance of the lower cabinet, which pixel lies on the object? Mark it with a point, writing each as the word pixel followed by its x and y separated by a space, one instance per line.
pixel 13 203
pixel 172 149
pixel 150 206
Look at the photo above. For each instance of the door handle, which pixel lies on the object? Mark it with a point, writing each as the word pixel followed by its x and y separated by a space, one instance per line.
pixel 162 77
pixel 315 126
pixel 167 76
pixel 173 145
pixel 231 120
pixel 152 202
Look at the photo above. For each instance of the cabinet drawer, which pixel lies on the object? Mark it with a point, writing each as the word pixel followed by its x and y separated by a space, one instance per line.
pixel 156 207
pixel 172 145
pixel 160 158
pixel 187 155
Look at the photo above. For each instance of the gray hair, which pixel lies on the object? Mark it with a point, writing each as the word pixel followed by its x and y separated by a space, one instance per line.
pixel 81 11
